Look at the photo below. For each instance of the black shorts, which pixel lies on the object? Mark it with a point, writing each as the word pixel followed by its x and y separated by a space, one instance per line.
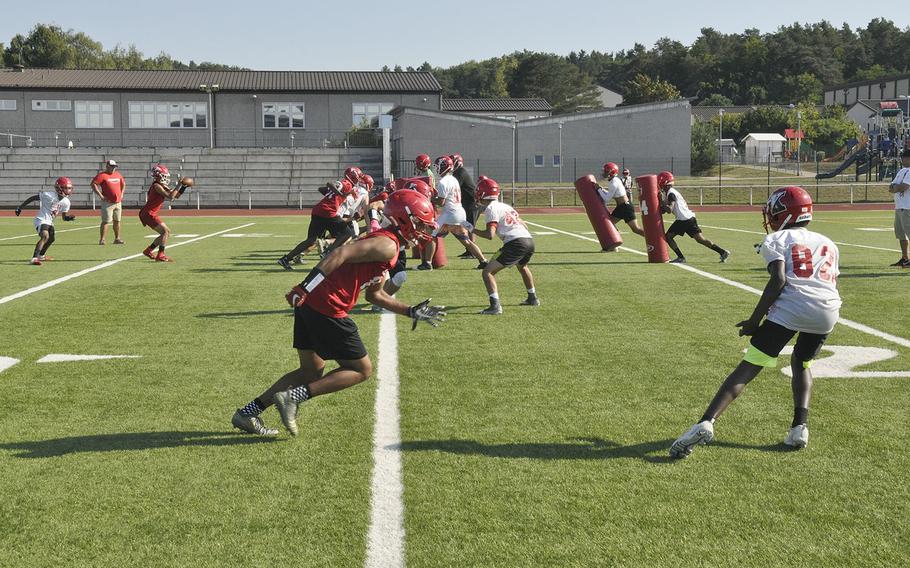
pixel 45 227
pixel 330 338
pixel 516 251
pixel 402 263
pixel 771 338
pixel 624 211
pixel 688 227
pixel 335 227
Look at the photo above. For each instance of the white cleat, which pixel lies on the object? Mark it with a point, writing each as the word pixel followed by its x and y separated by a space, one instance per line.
pixel 287 408
pixel 701 433
pixel 798 437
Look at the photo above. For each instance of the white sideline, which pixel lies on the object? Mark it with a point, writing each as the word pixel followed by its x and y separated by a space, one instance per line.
pixel 385 540
pixel 35 234
pixel 91 269
pixel 835 242
pixel 843 321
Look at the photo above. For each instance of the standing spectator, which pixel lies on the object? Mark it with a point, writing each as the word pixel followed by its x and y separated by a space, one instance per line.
pixel 899 187
pixel 109 185
pixel 468 187
pixel 628 182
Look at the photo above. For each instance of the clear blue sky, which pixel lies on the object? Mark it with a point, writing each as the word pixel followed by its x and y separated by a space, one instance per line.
pixel 362 35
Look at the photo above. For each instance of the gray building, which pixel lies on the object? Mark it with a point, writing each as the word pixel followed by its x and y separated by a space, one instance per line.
pixel 646 138
pixel 884 88
pixel 111 108
pixel 502 108
pixel 608 98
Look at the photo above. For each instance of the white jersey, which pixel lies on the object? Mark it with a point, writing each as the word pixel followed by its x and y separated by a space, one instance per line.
pixel 902 199
pixel 51 206
pixel 509 225
pixel 809 301
pixel 447 188
pixel 356 201
pixel 678 205
pixel 614 190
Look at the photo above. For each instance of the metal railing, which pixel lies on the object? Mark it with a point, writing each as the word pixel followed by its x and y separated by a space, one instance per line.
pixel 26 140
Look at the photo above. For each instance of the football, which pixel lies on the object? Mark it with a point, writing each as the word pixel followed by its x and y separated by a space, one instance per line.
pixel 187 181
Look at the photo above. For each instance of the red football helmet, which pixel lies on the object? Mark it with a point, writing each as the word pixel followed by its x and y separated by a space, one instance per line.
pixel 487 188
pixel 786 207
pixel 345 187
pixel 444 165
pixel 610 169
pixel 664 180
pixel 353 174
pixel 161 173
pixel 421 187
pixel 412 214
pixel 366 181
pixel 422 162
pixel 457 161
pixel 64 186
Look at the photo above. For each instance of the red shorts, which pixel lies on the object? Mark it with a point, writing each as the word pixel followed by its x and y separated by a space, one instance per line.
pixel 150 220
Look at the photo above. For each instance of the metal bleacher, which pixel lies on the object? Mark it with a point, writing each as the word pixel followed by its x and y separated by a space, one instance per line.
pixel 225 177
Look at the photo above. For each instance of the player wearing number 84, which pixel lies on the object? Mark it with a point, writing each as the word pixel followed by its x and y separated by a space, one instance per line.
pixel 799 299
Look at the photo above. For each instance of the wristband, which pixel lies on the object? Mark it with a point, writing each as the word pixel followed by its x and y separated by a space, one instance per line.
pixel 313 279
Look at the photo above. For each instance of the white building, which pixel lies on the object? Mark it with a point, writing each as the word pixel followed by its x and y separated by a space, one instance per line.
pixel 760 144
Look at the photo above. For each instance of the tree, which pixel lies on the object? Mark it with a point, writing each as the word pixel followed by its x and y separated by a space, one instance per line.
pixel 644 89
pixel 555 79
pixel 716 100
pixel 704 147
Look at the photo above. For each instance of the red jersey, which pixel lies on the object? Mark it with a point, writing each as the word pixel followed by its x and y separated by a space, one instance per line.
pixel 328 205
pixel 338 293
pixel 154 201
pixel 111 186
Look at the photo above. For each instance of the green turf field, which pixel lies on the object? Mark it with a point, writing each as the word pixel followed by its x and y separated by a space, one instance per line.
pixel 538 438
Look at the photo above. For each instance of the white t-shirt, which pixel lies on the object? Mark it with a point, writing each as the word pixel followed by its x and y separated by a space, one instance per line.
pixel 509 225
pixel 902 199
pixel 614 190
pixel 447 188
pixel 51 206
pixel 809 301
pixel 678 205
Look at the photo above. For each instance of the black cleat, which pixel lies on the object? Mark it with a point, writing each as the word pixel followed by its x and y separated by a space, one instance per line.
pixel 283 262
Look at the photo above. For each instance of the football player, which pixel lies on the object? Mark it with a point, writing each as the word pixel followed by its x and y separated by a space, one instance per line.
pixel 158 192
pixel 452 219
pixel 327 215
pixel 52 203
pixel 685 222
pixel 518 245
pixel 423 167
pixel 616 190
pixel 322 329
pixel 799 299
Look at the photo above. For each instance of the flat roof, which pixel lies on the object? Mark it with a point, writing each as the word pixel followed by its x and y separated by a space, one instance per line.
pixel 496 105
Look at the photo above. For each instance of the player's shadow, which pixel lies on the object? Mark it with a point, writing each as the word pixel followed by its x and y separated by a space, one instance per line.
pixel 843 275
pixel 254 313
pixel 129 441
pixel 572 449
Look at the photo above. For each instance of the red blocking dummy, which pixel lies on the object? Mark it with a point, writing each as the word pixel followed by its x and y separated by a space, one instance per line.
pixel 652 219
pixel 598 214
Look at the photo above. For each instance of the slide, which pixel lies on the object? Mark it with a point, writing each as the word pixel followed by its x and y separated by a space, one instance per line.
pixel 861 156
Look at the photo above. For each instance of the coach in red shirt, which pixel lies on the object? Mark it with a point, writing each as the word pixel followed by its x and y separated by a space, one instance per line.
pixel 109 185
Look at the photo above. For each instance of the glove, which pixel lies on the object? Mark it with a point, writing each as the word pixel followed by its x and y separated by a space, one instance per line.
pixel 296 297
pixel 433 315
pixel 69 217
pixel 18 211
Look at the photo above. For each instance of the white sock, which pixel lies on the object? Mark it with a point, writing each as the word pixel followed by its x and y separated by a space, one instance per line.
pixel 531 291
pixel 494 297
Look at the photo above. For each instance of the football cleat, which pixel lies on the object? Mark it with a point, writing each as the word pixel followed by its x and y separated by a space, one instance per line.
pixel 535 301
pixel 466 255
pixel 101 242
pixel 798 437
pixel 901 263
pixel 148 252
pixel 251 425
pixel 492 310
pixel 119 242
pixel 163 258
pixel 321 245
pixel 45 258
pixel 287 408
pixel 35 261
pixel 424 266
pixel 678 260
pixel 701 433
pixel 724 256
pixel 283 263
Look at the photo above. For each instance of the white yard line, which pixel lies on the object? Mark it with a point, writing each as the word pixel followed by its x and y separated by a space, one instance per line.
pixel 835 242
pixel 103 265
pixel 35 234
pixel 385 540
pixel 843 321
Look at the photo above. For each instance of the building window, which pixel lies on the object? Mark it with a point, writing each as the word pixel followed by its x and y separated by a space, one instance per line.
pixel 9 104
pixel 365 113
pixel 94 114
pixel 283 115
pixel 155 114
pixel 557 160
pixel 538 160
pixel 52 105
